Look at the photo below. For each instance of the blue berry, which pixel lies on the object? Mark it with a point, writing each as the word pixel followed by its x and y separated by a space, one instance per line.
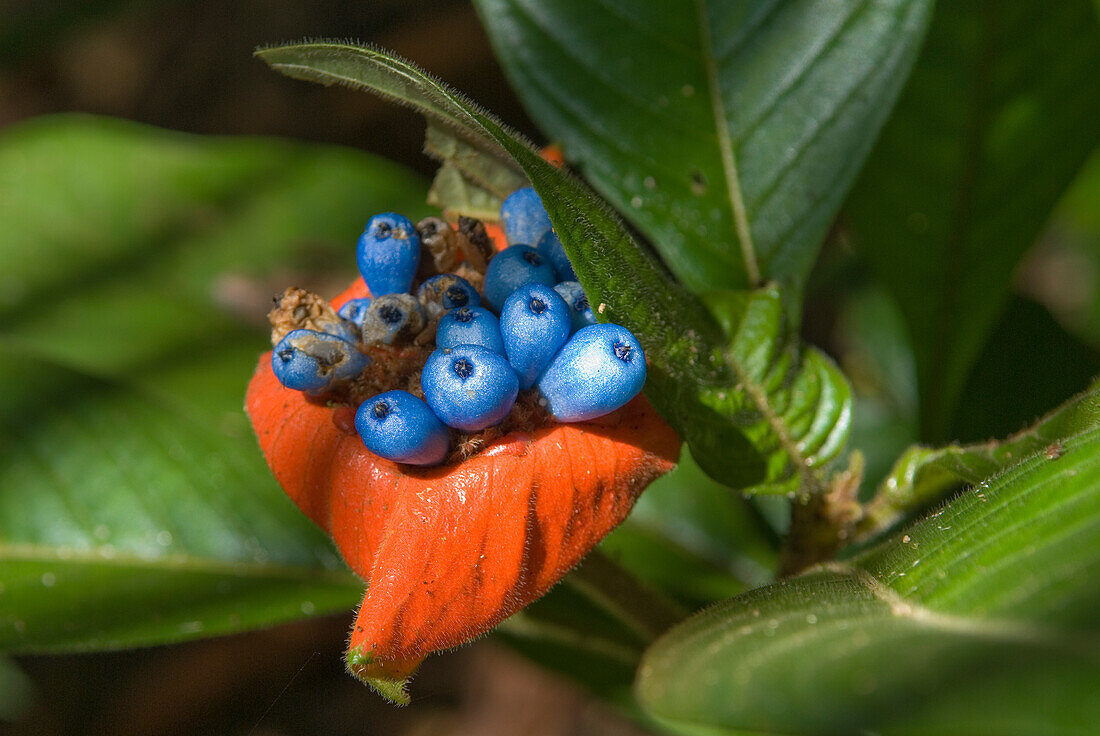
pixel 307 360
pixel 470 326
pixel 392 318
pixel 445 292
pixel 525 219
pixel 354 310
pixel 550 247
pixel 388 254
pixel 512 268
pixel 400 427
pixel 534 324
pixel 601 368
pixel 580 311
pixel 468 387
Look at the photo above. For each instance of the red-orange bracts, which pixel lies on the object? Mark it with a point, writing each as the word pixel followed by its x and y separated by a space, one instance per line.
pixel 450 551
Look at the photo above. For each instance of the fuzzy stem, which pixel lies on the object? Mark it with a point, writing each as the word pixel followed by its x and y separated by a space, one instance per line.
pixel 823 523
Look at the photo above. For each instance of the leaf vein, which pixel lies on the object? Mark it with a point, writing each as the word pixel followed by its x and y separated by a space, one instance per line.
pixel 725 146
pixel 1020 632
pixel 109 557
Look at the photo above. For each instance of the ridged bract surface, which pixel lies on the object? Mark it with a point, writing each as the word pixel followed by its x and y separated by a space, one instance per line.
pixel 451 551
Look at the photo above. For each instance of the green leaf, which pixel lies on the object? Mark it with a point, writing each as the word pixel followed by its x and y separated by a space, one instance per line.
pixel 878 360
pixel 999 114
pixel 727 132
pixel 137 267
pixel 759 413
pixel 980 619
pixel 1008 388
pixel 455 195
pixel 1074 243
pixel 373 70
pixel 922 475
pixel 469 182
pixel 694 538
pixel 793 403
pixel 567 632
pixel 593 626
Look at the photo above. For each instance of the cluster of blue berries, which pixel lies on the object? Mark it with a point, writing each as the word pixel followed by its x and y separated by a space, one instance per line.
pixel 519 323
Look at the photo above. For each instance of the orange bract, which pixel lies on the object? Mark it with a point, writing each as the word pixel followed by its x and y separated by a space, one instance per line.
pixel 451 551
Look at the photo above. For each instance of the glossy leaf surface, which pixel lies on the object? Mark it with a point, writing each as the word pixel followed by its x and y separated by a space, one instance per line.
pixel 998 116
pixel 728 132
pixel 981 618
pixel 923 474
pixel 793 403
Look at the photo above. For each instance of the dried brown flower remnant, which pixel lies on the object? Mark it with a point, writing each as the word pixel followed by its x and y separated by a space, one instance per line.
pixel 298 309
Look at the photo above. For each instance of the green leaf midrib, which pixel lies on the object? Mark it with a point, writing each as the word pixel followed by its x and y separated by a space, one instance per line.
pixel 757 393
pixel 811 484
pixel 994 628
pixel 725 145
pixel 107 556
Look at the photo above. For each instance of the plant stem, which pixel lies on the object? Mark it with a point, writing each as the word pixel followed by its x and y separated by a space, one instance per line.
pixel 822 523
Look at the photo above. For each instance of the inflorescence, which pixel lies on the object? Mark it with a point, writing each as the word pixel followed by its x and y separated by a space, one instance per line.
pixel 483 345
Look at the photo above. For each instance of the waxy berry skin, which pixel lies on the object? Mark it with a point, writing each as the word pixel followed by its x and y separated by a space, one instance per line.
pixel 550 247
pixel 306 360
pixel 535 324
pixel 388 254
pixel 512 268
pixel 525 219
pixel 354 310
pixel 580 311
pixel 398 426
pixel 470 326
pixel 469 387
pixel 600 369
pixel 445 292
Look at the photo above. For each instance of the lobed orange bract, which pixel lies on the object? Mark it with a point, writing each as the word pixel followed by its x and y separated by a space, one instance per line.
pixel 451 551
